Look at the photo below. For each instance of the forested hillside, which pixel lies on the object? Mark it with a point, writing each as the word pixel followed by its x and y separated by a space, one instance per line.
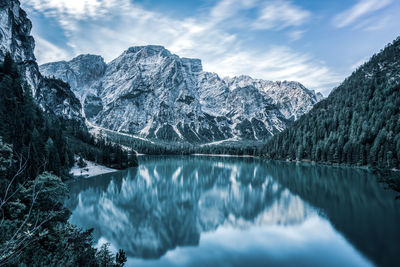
pixel 358 124
pixel 43 141
pixel 37 148
pixel 148 147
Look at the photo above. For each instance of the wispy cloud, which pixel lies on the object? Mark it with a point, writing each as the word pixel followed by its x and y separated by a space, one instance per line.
pixel 278 63
pixel 226 9
pixel 108 27
pixel 359 10
pixel 296 35
pixel 374 23
pixel 359 63
pixel 45 51
pixel 280 15
pixel 79 9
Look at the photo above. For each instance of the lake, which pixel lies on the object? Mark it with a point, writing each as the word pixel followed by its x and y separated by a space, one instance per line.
pixel 229 211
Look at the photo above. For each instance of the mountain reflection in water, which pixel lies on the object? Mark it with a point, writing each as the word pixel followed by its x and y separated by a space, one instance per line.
pixel 235 211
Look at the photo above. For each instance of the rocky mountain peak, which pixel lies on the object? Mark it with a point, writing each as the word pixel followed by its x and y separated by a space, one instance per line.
pixel 148 48
pixel 192 64
pixel 154 54
pixel 81 72
pixel 15 28
pixel 15 38
pixel 152 93
pixel 83 60
pixel 149 51
pixel 292 98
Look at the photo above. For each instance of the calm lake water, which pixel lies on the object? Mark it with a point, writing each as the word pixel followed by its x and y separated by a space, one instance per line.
pixel 221 211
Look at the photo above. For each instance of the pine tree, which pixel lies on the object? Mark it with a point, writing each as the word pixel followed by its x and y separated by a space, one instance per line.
pixel 8 65
pixel 120 258
pixel 357 124
pixel 104 256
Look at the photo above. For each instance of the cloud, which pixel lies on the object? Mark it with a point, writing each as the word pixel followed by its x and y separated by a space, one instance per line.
pixel 278 63
pixel 46 51
pixel 69 12
pixel 296 35
pixel 280 15
pixel 359 10
pixel 108 27
pixel 79 9
pixel 374 23
pixel 228 8
pixel 359 63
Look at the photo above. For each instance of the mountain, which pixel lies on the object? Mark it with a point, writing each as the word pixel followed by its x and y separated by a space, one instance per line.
pixel 40 114
pixel 152 93
pixel 293 98
pixel 358 124
pixel 15 39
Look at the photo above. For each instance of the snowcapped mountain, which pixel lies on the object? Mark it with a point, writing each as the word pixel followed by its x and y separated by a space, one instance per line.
pixel 15 38
pixel 150 92
pixel 80 73
pixel 292 98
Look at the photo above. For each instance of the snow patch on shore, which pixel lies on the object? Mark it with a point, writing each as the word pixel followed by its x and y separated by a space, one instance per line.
pixel 92 169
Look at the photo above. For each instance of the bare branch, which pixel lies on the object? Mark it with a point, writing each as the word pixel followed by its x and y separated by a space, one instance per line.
pixel 22 166
pixel 18 242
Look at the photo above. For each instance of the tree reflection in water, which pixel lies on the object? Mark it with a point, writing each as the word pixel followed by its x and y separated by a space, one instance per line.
pixel 170 201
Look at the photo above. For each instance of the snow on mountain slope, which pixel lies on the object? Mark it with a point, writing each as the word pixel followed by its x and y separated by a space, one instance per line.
pixel 150 92
pixel 81 72
pixel 292 98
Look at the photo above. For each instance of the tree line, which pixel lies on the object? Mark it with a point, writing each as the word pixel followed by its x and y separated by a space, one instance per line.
pixel 157 147
pixel 36 149
pixel 358 124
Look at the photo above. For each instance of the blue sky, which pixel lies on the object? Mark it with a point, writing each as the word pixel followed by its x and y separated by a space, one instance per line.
pixel 315 42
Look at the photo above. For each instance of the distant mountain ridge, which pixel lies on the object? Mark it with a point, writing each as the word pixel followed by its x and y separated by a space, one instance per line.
pixel 152 93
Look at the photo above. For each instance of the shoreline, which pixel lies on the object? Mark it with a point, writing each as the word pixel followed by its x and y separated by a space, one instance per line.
pixel 224 155
pixel 90 170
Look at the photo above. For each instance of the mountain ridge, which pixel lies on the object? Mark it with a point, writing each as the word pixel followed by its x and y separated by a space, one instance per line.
pixel 165 97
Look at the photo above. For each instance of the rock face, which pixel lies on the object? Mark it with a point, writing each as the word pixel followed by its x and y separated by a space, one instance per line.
pixel 291 98
pixel 148 91
pixel 81 72
pixel 15 39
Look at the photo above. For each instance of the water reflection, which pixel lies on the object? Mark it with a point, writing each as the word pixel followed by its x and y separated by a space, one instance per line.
pixel 354 202
pixel 247 205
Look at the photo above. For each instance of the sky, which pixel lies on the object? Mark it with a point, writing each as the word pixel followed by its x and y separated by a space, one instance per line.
pixel 315 42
